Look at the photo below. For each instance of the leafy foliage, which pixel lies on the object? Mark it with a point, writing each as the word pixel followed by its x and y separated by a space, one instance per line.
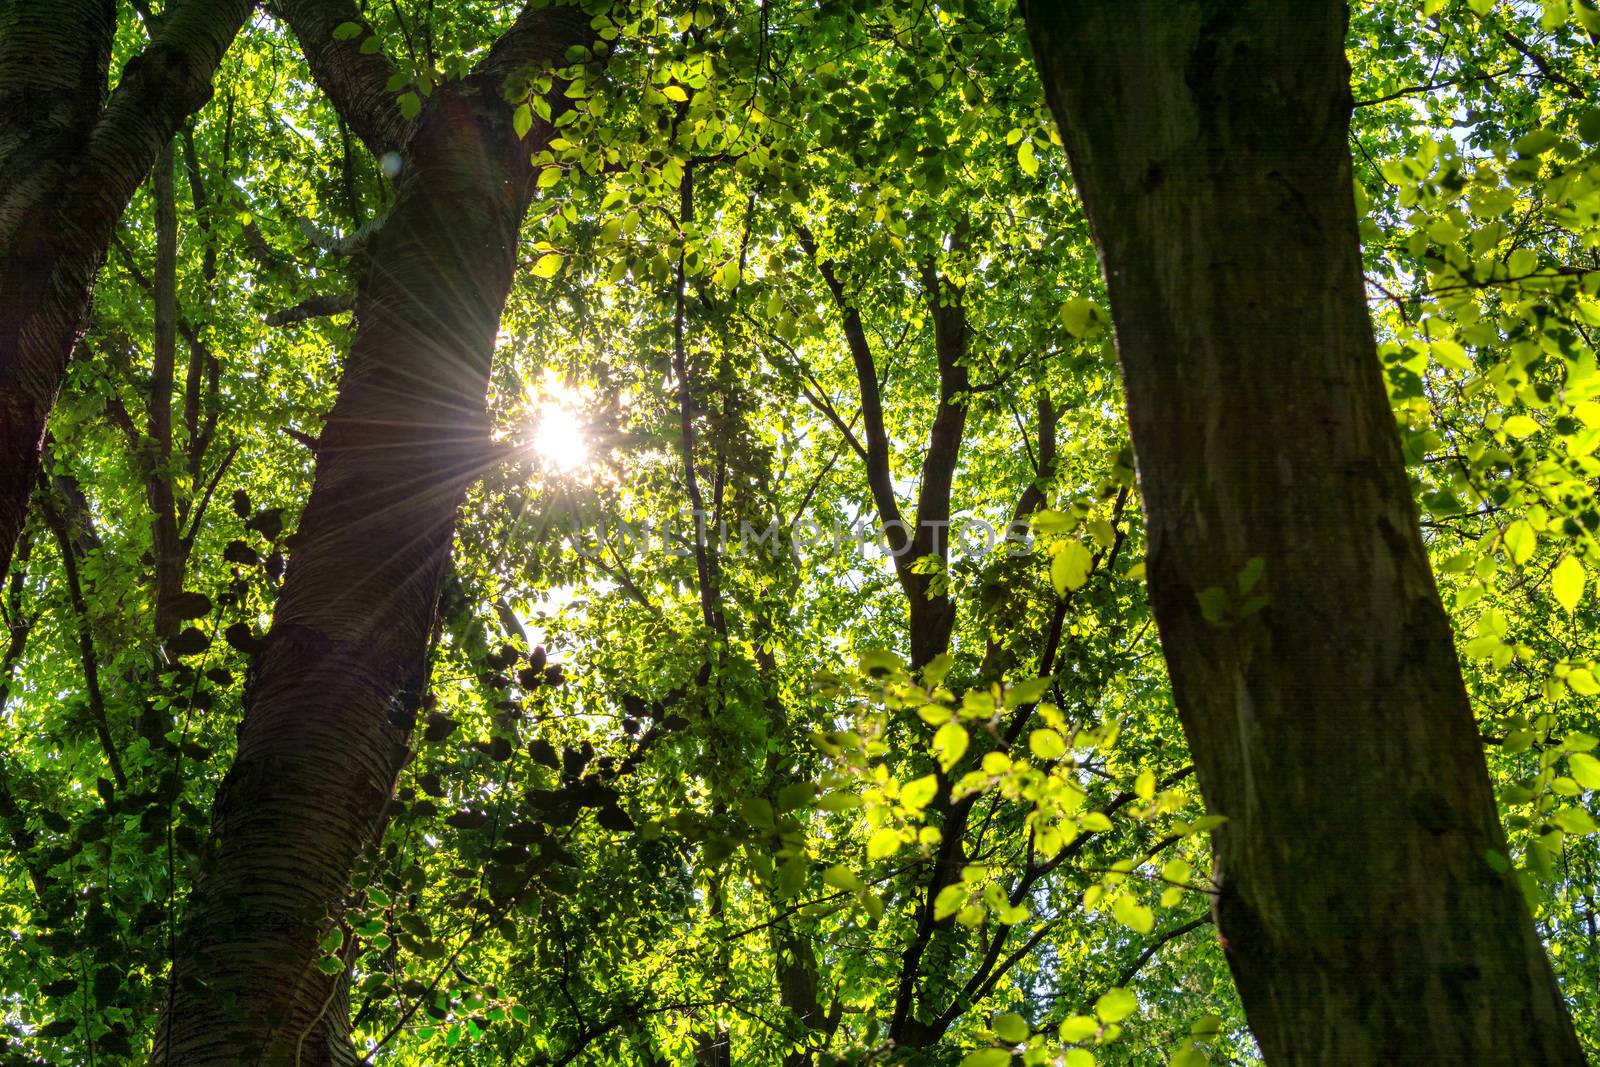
pixel 677 784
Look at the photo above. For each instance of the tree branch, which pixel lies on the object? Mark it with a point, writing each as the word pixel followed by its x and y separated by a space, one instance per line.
pixel 313 307
pixel 18 628
pixel 1465 79
pixel 160 87
pixel 86 651
pixel 879 478
pixel 1573 89
pixel 357 82
pixel 1153 947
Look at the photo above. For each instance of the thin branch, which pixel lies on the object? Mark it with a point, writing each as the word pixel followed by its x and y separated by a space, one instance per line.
pixel 205 497
pixel 86 651
pixel 1465 79
pixel 313 307
pixel 1151 949
pixel 879 478
pixel 1573 89
pixel 19 628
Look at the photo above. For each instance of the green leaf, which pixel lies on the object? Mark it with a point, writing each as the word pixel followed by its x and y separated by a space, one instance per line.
pixel 1521 541
pixel 1566 582
pixel 547 265
pixel 883 843
pixel 1582 682
pixel 1095 822
pixel 1585 769
pixel 1049 521
pixel 878 662
pixel 1134 915
pixel 1011 1028
pixel 1028 692
pixel 1536 143
pixel 1450 354
pixel 1578 741
pixel 1589 126
pixel 1078 1028
pixel 937 669
pixel 1070 567
pixel 1047 744
pixel 917 793
pixel 987 1057
pixel 1574 821
pixel 950 744
pixel 791 877
pixel 1026 159
pixel 795 795
pixel 1520 426
pixel 522 120
pixel 410 105
pixel 1115 1005
pixel 347 31
pixel 840 800
pixel 950 900
pixel 758 812
pixel 1081 317
pixel 841 877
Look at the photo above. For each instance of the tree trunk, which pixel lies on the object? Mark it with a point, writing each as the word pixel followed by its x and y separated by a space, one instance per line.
pixel 1362 916
pixel 67 171
pixel 320 746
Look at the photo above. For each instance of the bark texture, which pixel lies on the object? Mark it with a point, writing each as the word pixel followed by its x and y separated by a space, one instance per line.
pixel 325 731
pixel 70 160
pixel 1361 916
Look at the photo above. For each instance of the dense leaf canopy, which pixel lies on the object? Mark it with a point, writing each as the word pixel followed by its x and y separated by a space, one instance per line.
pixel 753 725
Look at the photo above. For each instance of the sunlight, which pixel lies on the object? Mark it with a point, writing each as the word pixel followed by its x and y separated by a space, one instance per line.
pixel 559 437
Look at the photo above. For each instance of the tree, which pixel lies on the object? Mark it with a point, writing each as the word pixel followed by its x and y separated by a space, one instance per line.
pixel 601 721
pixel 343 669
pixel 70 159
pixel 1364 899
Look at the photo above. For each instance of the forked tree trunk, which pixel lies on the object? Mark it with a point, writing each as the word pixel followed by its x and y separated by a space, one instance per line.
pixel 1361 912
pixel 68 167
pixel 320 749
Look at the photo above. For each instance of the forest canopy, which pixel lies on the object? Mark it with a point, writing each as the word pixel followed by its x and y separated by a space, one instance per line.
pixel 795 532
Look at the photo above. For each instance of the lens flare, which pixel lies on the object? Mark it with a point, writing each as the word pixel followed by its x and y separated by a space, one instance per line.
pixel 559 438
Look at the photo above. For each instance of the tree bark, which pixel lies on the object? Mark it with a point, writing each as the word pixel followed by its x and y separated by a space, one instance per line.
pixel 166 544
pixel 68 167
pixel 320 747
pixel 1362 915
